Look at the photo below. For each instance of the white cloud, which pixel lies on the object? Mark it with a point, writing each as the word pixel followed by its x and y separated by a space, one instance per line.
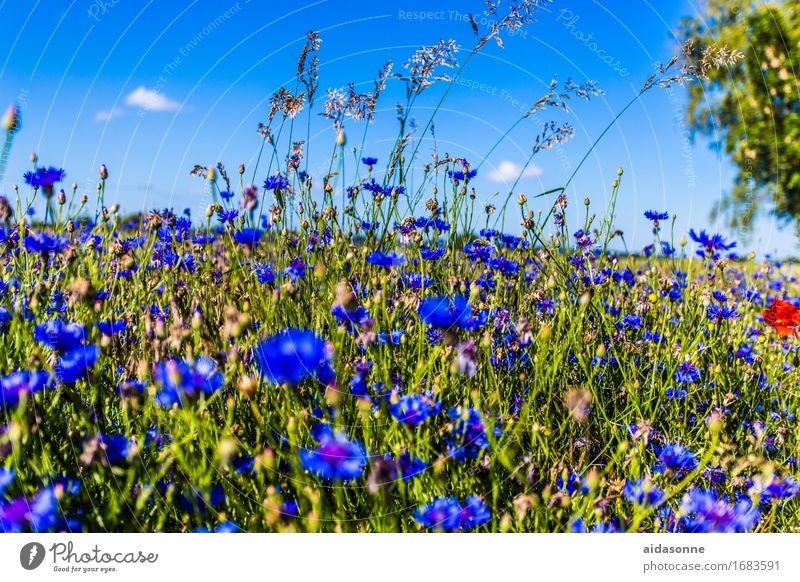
pixel 151 100
pixel 507 171
pixel 108 114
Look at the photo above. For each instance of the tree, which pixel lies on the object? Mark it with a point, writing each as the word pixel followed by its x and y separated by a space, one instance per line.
pixel 751 108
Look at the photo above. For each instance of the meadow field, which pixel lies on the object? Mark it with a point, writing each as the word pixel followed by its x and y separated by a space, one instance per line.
pixel 381 352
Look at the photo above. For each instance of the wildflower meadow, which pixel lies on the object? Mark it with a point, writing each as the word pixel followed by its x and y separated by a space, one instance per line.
pixel 381 348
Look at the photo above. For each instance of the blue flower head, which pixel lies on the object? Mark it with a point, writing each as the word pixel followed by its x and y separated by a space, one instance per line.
pixel 676 459
pixel 180 381
pixel 655 216
pixel 444 312
pixel 276 182
pixel 447 514
pixel 292 356
pixel 414 409
pixel 336 458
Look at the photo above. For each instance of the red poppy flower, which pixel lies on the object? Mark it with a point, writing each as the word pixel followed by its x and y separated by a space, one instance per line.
pixel 783 317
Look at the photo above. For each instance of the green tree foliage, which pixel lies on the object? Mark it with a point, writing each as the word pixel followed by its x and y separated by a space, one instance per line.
pixel 751 107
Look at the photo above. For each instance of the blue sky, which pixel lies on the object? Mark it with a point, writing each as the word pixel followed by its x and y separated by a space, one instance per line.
pixel 151 88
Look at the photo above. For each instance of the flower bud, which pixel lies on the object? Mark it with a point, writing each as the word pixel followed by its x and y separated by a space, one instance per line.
pixel 103 172
pixel 11 119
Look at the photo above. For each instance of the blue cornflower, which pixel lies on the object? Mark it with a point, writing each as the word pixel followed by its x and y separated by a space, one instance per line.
pixel 677 460
pixel 180 381
pixel 40 514
pixel 111 327
pixel 445 313
pixel 225 216
pixel 655 216
pixel 467 437
pixel 504 266
pixel 387 260
pixel 414 409
pixel 546 306
pixel 45 178
pixel 372 186
pixel 687 373
pixel 335 458
pixel 573 483
pixel 292 356
pixel 447 514
pixel 116 448
pixel 776 491
pixel 459 175
pixel 718 313
pixel 44 243
pixel 720 296
pixel 197 501
pixel 643 493
pixel 676 393
pixel 712 244
pixel 59 336
pixel 432 254
pixel 351 319
pixel 409 466
pixel 227 195
pixel 296 269
pixel 435 223
pixel 368 161
pixel 707 513
pixel 632 321
pixel 74 365
pixel 276 182
pixel 248 236
pixel 18 383
pixel 476 251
